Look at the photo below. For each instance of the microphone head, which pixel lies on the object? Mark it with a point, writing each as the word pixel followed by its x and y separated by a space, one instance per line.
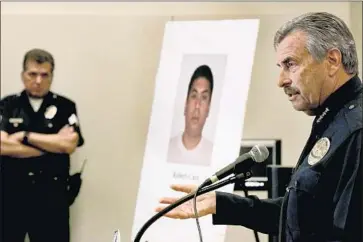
pixel 259 153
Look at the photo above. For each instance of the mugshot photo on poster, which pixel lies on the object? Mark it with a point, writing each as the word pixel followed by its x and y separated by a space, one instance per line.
pixel 196 109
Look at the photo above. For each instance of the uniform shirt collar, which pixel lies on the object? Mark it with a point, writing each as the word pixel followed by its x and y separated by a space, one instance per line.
pixel 339 98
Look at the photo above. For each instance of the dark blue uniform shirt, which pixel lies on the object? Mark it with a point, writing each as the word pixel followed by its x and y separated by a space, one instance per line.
pixel 323 201
pixel 54 113
pixel 34 191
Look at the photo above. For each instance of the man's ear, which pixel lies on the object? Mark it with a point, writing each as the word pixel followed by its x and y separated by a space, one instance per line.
pixel 208 109
pixel 22 76
pixel 209 104
pixel 334 61
pixel 185 106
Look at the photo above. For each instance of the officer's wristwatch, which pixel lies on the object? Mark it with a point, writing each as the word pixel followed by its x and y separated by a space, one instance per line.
pixel 25 138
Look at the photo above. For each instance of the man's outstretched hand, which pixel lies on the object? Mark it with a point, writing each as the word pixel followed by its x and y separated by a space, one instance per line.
pixel 206 203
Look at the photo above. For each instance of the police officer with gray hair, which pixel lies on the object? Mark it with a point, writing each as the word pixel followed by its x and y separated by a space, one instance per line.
pixel 39 130
pixel 319 74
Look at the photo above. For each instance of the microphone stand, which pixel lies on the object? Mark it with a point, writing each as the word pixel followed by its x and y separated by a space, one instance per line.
pixel 233 179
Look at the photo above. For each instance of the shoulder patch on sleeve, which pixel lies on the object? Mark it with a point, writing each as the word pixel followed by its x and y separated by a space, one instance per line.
pixel 73 120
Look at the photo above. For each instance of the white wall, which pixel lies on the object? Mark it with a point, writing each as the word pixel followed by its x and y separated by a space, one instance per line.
pixel 106 59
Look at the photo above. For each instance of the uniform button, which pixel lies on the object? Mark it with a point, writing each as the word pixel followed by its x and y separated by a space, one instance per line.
pixel 55 178
pixel 54 96
pixel 50 125
pixel 30 174
pixel 351 106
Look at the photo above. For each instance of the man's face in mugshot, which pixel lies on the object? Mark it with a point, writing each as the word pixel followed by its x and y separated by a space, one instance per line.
pixel 301 76
pixel 197 106
pixel 37 78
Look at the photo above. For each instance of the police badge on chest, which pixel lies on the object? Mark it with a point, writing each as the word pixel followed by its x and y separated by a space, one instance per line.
pixel 49 114
pixel 319 150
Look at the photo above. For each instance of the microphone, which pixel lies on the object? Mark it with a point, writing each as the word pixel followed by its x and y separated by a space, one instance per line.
pixel 243 163
pixel 257 154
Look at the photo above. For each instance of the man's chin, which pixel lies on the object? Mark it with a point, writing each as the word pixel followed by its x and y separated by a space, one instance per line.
pixel 309 112
pixel 306 110
pixel 194 129
pixel 36 94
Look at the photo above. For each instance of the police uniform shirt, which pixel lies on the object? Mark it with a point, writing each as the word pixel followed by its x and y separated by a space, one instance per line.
pixel 323 201
pixel 55 111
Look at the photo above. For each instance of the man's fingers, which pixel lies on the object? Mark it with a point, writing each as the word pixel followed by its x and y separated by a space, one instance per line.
pixel 184 188
pixel 168 200
pixel 176 214
pixel 64 129
pixel 159 208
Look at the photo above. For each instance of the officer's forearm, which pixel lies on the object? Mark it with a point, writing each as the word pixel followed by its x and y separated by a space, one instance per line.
pixel 14 148
pixel 249 212
pixel 54 143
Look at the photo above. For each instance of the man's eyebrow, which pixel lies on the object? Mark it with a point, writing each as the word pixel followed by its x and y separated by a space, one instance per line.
pixel 37 71
pixel 204 91
pixel 285 61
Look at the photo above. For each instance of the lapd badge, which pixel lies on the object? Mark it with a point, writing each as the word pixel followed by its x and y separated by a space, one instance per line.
pixel 50 112
pixel 319 151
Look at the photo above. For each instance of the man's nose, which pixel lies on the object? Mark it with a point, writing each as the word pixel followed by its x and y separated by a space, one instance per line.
pixel 284 79
pixel 197 102
pixel 38 79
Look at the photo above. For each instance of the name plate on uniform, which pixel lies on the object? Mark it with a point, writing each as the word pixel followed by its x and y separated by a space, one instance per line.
pixel 16 120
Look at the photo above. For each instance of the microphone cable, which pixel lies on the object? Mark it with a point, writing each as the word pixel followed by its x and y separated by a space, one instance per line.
pixel 197 219
pixel 254 231
pixel 196 211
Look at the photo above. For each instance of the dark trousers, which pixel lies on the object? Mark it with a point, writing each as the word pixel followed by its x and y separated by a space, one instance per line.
pixel 34 204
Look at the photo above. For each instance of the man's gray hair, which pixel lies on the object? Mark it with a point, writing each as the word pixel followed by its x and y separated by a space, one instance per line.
pixel 324 31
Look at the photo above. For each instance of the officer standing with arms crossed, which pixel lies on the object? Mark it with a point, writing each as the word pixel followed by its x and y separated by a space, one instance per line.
pixel 319 73
pixel 39 131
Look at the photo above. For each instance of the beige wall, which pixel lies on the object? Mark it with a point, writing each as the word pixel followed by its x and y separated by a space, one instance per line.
pixel 356 26
pixel 107 56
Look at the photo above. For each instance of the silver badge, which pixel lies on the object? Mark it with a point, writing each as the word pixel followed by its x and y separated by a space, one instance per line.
pixel 50 112
pixel 319 151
